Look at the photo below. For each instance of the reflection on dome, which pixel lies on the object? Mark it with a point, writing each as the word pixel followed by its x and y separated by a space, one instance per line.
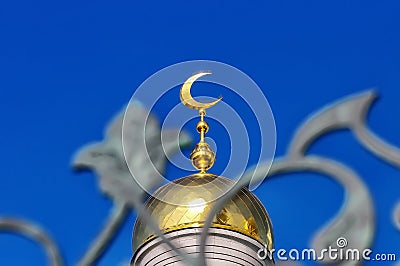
pixel 194 199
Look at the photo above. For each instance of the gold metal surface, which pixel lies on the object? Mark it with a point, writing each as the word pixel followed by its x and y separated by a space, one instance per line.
pixel 186 96
pixel 244 213
pixel 202 156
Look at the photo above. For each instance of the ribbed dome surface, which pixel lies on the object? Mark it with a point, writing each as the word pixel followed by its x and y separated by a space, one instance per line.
pixel 193 199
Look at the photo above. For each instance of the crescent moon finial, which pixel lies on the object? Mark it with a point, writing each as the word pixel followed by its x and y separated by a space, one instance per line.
pixel 187 98
pixel 202 156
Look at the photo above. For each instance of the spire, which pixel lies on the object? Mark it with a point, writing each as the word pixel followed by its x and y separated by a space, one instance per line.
pixel 202 156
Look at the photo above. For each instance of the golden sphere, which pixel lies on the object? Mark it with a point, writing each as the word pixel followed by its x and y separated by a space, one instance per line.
pixel 202 126
pixel 202 157
pixel 193 197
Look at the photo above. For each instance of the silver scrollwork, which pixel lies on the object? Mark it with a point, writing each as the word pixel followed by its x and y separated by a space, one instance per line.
pixel 355 221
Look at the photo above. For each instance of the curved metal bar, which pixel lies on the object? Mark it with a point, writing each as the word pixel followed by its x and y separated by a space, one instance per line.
pixel 396 216
pixel 343 114
pixel 106 236
pixel 355 221
pixel 349 113
pixel 35 233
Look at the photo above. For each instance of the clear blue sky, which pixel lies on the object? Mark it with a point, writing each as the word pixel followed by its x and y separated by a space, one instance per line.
pixel 67 66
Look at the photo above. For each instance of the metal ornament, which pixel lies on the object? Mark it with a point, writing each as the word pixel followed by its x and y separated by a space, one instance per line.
pixel 202 156
pixel 355 220
pixel 186 96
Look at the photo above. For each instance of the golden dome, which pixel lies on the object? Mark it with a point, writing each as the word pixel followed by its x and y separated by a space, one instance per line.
pixel 193 197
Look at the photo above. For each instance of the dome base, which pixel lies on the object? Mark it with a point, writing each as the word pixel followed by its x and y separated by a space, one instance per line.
pixel 224 247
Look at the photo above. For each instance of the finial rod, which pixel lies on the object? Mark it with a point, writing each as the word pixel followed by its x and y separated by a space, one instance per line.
pixel 202 125
pixel 202 156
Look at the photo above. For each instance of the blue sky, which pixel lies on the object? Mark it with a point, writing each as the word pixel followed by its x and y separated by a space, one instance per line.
pixel 66 67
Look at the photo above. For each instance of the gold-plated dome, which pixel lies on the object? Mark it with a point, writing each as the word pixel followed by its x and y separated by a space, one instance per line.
pixel 194 197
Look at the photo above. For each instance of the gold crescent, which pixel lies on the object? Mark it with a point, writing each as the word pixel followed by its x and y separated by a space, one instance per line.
pixel 187 98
